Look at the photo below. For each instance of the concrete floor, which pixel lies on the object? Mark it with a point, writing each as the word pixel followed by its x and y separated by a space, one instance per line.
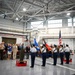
pixel 8 67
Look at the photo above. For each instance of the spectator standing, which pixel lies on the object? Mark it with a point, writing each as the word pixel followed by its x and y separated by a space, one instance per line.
pixel 9 51
pixel 15 50
pixel 1 50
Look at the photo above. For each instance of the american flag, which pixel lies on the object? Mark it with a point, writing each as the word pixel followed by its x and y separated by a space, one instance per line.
pixel 60 39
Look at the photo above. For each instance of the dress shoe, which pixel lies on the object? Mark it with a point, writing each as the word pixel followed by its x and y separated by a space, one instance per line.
pixel 54 64
pixel 42 65
pixel 31 66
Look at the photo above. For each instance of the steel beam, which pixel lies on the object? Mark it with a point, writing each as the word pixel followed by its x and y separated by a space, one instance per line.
pixel 64 5
pixel 17 10
pixel 55 13
pixel 70 8
pixel 6 14
pixel 40 1
pixel 64 1
pixel 33 4
pixel 8 5
pixel 34 14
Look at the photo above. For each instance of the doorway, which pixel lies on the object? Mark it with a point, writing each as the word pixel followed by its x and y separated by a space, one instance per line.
pixel 9 40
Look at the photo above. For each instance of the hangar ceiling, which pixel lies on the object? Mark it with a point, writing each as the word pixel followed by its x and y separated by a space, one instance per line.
pixel 36 9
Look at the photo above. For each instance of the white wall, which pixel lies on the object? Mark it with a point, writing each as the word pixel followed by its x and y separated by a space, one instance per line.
pixel 19 40
pixel 8 24
pixel 74 43
pixel 0 39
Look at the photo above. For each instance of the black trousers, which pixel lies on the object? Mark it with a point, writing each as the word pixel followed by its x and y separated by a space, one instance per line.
pixel 55 55
pixel 61 57
pixel 67 55
pixel 33 59
pixel 27 55
pixel 44 59
pixel 1 54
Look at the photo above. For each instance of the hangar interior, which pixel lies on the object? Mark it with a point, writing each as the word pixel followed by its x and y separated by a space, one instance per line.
pixel 21 19
pixel 29 19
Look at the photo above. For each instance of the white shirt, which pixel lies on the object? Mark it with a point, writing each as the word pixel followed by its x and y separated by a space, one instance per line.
pixel 67 49
pixel 43 50
pixel 54 50
pixel 61 50
pixel 33 49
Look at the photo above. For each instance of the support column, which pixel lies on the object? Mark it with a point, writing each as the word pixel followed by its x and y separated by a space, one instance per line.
pixel 29 25
pixel 45 24
pixel 64 22
pixel 72 33
pixel 72 25
pixel 23 27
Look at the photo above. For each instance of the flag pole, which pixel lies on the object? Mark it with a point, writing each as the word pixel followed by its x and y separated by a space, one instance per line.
pixel 60 39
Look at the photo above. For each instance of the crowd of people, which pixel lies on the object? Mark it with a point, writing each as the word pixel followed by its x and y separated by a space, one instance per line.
pixel 12 50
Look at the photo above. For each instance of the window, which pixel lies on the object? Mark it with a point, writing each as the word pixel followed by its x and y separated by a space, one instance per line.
pixel 70 22
pixel 54 23
pixel 74 21
pixel 37 24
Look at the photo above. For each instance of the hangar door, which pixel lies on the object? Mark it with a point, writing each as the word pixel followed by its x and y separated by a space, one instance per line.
pixel 9 40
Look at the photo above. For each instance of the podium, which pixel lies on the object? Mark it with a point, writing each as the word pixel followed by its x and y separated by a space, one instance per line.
pixel 21 64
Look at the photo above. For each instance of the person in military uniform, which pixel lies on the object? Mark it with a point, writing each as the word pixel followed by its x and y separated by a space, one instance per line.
pixel 55 54
pixel 67 53
pixel 61 53
pixel 33 54
pixel 44 55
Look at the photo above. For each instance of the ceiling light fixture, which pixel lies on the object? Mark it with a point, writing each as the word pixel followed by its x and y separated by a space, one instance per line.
pixel 17 18
pixel 24 9
pixel 68 14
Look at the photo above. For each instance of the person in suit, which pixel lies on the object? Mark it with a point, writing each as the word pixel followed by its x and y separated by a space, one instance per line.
pixel 1 50
pixel 33 54
pixel 27 50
